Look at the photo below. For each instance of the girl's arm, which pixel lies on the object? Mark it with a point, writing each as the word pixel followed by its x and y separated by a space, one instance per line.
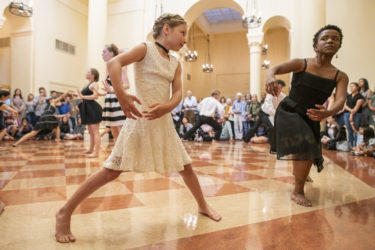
pixel 294 65
pixel 114 69
pixel 53 101
pixel 160 109
pixel 341 95
pixel 124 76
pixel 94 88
pixel 6 107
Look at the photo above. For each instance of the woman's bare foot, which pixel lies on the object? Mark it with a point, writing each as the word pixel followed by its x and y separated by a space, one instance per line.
pixel 63 233
pixel 309 179
pixel 88 151
pixel 210 213
pixel 92 155
pixel 300 199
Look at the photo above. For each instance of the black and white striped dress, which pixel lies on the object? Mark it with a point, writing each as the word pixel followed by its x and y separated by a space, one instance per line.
pixel 112 113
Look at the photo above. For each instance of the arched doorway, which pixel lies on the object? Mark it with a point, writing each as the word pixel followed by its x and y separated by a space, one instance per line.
pixel 277 36
pixel 229 51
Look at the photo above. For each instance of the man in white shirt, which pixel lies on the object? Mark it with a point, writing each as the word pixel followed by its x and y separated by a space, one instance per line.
pixel 268 110
pixel 190 105
pixel 207 108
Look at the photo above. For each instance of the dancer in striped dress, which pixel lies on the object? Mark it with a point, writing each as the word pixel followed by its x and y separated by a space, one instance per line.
pixel 113 116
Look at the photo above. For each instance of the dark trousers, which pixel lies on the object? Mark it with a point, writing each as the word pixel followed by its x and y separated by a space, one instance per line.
pixel 263 119
pixel 205 120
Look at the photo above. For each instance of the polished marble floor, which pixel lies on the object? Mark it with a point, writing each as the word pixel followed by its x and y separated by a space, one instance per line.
pixel 154 211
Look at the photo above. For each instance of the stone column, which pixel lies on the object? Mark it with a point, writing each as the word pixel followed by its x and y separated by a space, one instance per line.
pixel 97 33
pixel 254 37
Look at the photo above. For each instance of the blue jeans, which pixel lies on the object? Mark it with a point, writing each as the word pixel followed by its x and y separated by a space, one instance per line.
pixel 357 121
pixel 246 126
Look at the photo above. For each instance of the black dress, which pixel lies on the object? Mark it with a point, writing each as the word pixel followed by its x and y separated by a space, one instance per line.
pixel 90 110
pixel 296 136
pixel 47 121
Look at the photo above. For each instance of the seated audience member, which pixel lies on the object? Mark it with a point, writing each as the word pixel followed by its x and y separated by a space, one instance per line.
pixel 205 133
pixel 184 128
pixel 25 128
pixel 368 146
pixel 65 130
pixel 11 126
pixel 226 132
pixel 332 134
pixel 80 128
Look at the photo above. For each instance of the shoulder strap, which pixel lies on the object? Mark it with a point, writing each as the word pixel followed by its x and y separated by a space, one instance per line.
pixel 337 73
pixel 304 69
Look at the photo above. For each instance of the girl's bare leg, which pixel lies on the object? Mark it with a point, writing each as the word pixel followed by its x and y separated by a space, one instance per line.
pixel 192 183
pixel 57 133
pixel 91 149
pixel 63 216
pixel 301 170
pixel 95 138
pixel 114 133
pixel 26 137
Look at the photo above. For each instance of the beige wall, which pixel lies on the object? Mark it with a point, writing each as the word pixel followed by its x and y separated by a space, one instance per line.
pixel 54 69
pixel 357 20
pixel 278 52
pixel 230 56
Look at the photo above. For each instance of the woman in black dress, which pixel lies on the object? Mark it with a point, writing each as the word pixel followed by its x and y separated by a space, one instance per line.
pixel 91 112
pixel 48 121
pixel 296 134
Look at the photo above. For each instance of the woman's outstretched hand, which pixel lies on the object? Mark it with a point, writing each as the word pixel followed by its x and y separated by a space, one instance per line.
pixel 127 105
pixel 272 86
pixel 318 114
pixel 157 110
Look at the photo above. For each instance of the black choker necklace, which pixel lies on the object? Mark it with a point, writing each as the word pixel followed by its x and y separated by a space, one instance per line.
pixel 162 47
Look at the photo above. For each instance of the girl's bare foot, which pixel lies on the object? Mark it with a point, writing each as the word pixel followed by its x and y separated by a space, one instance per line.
pixel 210 213
pixel 300 199
pixel 57 140
pixel 63 233
pixel 92 155
pixel 88 152
pixel 309 179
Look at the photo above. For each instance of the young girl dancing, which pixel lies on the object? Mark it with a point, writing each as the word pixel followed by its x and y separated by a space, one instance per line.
pixel 48 120
pixel 149 143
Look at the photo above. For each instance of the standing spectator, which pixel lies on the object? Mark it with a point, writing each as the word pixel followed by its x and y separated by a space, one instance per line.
pixel 18 103
pixel 229 113
pixel 40 103
pixel 238 109
pixel 353 111
pixel 253 110
pixel 223 102
pixel 246 121
pixel 366 93
pixel 371 105
pixel 267 111
pixel 207 108
pixel 190 106
pixel 30 109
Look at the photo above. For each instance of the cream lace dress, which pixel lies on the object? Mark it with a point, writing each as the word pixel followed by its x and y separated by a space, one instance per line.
pixel 150 145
